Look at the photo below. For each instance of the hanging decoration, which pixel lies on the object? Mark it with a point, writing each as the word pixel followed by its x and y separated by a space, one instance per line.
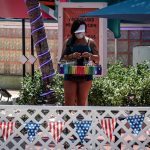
pixel 6 129
pixel 135 123
pixel 82 127
pixel 49 11
pixel 108 125
pixel 32 129
pixel 41 46
pixel 56 129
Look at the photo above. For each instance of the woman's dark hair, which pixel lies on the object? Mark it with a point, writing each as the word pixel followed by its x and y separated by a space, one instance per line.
pixel 76 25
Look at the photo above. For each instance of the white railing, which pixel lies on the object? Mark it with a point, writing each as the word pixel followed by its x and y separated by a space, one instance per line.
pixel 96 138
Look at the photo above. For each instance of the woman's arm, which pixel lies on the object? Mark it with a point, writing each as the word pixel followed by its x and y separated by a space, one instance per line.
pixel 95 56
pixel 62 58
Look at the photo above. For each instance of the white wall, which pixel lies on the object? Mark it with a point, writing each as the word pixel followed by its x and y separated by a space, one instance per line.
pixel 141 54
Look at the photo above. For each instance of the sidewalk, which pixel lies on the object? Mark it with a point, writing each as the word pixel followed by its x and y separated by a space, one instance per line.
pixel 4 100
pixel 14 93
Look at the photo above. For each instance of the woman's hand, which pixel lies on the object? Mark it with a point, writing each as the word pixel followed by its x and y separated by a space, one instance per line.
pixel 76 55
pixel 86 55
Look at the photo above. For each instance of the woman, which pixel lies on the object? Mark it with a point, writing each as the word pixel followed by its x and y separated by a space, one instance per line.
pixel 78 49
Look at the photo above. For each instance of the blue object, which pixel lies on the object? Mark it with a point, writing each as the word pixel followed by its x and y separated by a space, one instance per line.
pixel 82 127
pixel 136 122
pixel 130 10
pixel 32 129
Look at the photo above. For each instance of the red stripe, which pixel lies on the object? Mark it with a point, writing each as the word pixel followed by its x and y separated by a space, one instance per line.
pixel 4 125
pixel 56 129
pixel 108 125
pixel 110 129
pixel 58 133
pixel 7 129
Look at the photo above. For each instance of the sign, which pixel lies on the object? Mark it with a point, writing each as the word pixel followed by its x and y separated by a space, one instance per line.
pixel 96 28
pixel 71 14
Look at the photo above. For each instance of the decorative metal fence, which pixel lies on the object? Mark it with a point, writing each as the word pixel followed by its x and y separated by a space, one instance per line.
pixel 74 128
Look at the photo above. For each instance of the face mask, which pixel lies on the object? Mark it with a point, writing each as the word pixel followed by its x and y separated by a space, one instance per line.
pixel 80 35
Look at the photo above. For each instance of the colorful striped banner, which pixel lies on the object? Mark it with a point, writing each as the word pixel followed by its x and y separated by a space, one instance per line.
pixel 80 70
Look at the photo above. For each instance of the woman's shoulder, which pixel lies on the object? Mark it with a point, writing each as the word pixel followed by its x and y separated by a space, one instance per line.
pixel 89 40
pixel 68 41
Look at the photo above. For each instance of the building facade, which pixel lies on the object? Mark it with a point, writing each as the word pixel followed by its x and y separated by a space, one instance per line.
pixel 11 45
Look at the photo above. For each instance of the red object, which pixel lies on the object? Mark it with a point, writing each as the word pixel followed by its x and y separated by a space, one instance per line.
pixel 63 0
pixel 56 129
pixel 69 14
pixel 15 9
pixel 108 125
pixel 46 16
pixel 79 70
pixel 7 129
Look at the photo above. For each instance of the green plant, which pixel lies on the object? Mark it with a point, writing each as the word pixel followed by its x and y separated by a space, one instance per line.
pixel 121 86
pixel 32 87
pixel 57 86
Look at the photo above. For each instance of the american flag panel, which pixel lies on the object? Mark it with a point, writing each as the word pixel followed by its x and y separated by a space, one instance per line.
pixel 108 125
pixel 6 129
pixel 56 129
